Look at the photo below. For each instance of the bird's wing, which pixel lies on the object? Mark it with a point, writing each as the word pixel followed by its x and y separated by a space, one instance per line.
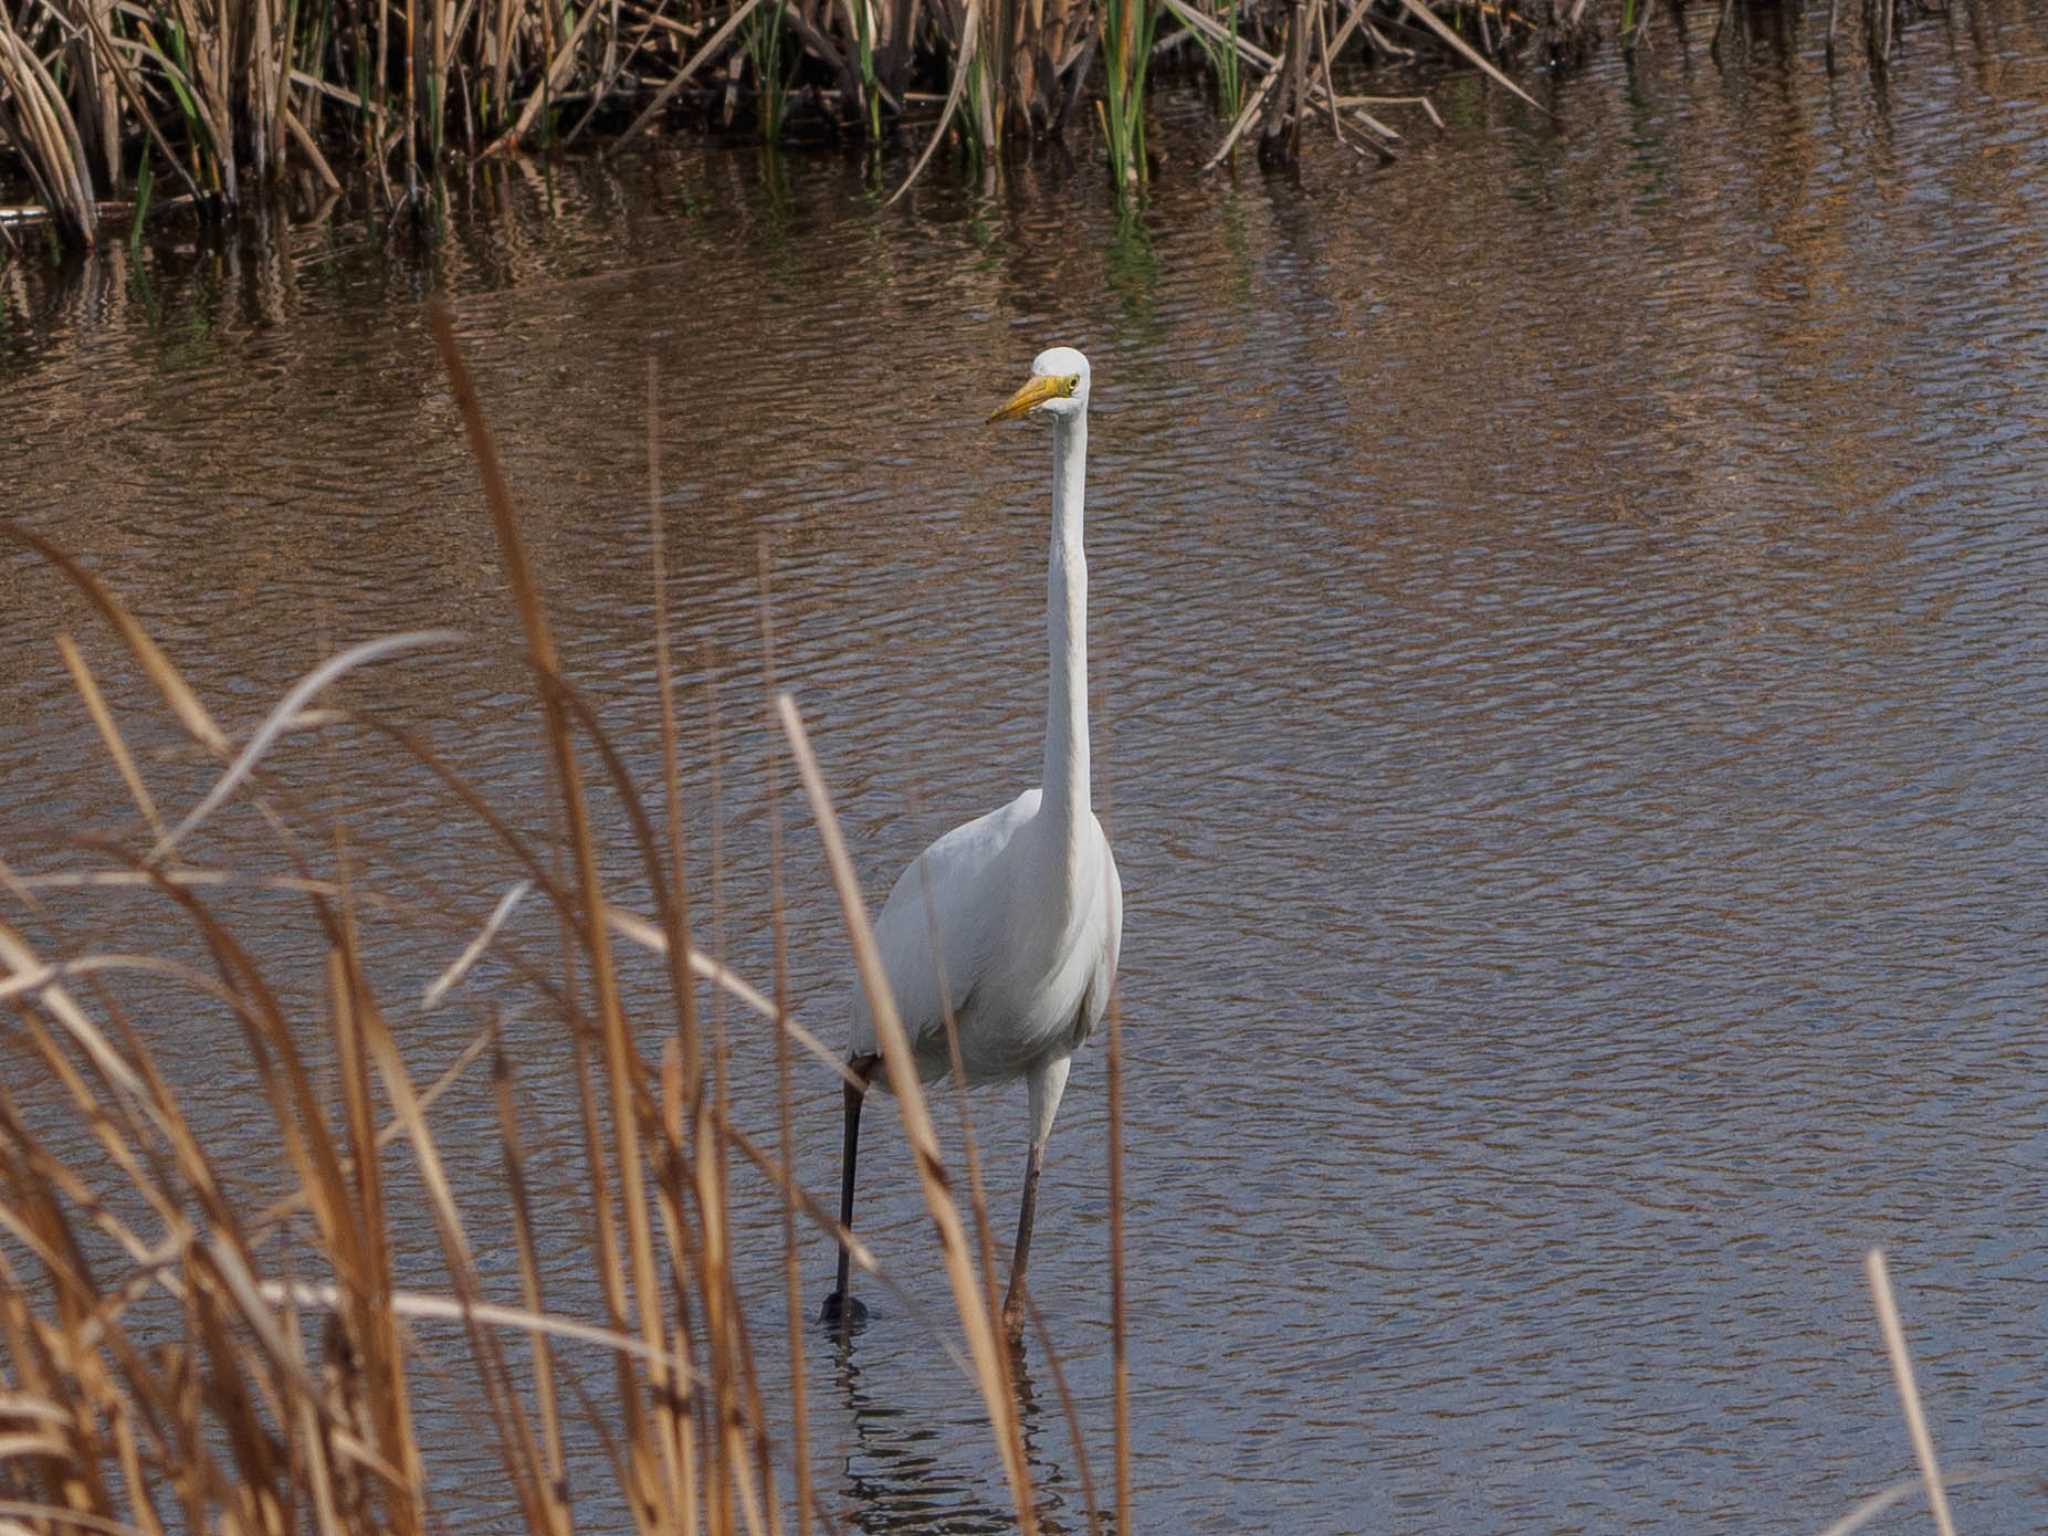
pixel 1096 1002
pixel 952 886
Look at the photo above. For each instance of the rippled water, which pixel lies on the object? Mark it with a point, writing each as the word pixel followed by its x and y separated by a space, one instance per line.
pixel 1571 689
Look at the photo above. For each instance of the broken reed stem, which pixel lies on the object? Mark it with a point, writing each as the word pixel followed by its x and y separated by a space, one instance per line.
pixel 110 733
pixel 1909 1395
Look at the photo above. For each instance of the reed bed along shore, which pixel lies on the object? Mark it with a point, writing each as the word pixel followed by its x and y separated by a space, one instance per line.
pixel 113 109
pixel 184 1348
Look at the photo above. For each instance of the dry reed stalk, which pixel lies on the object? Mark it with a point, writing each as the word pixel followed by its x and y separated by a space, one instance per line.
pixel 1117 1320
pixel 1289 121
pixel 287 1085
pixel 667 93
pixel 1465 50
pixel 110 733
pixel 551 82
pixel 686 1257
pixel 555 1485
pixel 1250 114
pixel 792 1279
pixel 977 1195
pixel 437 116
pixel 98 23
pixel 383 1361
pixel 410 128
pixel 98 97
pixel 639 931
pixel 1071 1414
pixel 1329 90
pixel 654 1502
pixel 732 1486
pixel 1331 48
pixel 310 148
pixel 282 716
pixel 682 1425
pixel 515 1442
pixel 715 1143
pixel 501 59
pixel 453 1309
pixel 963 62
pixel 1909 1395
pixel 183 702
pixel 35 115
pixel 975 1318
pixel 474 950
pixel 801 1199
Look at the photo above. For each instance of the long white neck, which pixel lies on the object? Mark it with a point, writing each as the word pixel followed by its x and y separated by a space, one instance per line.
pixel 1066 623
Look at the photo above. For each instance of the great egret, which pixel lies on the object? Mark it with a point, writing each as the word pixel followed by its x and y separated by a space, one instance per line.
pixel 1025 901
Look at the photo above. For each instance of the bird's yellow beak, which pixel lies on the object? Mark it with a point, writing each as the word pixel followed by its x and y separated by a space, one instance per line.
pixel 1041 388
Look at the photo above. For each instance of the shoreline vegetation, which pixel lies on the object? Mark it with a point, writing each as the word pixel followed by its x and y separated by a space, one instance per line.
pixel 111 110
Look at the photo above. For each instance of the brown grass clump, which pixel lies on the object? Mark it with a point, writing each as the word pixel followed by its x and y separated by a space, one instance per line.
pixel 180 1352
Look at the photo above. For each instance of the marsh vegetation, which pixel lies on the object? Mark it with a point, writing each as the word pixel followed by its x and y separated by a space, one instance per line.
pixel 113 108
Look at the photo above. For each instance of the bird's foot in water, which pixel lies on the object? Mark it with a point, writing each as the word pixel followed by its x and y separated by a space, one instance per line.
pixel 843 1314
pixel 1014 1320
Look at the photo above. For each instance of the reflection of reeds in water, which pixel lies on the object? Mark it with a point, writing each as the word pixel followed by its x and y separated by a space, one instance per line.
pixel 207 102
pixel 178 1353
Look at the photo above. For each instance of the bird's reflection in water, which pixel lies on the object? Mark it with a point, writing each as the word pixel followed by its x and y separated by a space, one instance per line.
pixel 895 1480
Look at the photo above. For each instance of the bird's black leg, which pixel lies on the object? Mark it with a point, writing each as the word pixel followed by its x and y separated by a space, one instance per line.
pixel 1013 1305
pixel 841 1310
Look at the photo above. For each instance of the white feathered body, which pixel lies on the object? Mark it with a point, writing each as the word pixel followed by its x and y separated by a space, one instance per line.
pixel 1027 973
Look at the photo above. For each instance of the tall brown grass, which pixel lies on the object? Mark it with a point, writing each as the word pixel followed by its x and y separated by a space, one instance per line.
pixel 179 1350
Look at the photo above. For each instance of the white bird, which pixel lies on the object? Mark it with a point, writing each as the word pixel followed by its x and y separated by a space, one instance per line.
pixel 1025 901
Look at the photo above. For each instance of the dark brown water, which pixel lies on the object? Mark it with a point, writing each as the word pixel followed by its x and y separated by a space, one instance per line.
pixel 1571 697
